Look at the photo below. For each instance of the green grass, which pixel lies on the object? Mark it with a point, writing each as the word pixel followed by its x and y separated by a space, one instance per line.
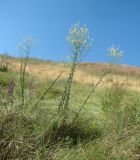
pixel 107 128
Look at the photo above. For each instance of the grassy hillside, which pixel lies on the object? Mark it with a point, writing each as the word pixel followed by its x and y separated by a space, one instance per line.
pixel 86 73
pixel 106 127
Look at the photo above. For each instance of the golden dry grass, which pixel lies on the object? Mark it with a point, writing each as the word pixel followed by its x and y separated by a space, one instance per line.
pixel 85 74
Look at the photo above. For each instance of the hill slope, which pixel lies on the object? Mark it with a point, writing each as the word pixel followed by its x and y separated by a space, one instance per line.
pixel 99 126
pixel 87 73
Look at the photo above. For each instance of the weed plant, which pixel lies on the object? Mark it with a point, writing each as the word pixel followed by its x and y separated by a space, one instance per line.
pixel 80 43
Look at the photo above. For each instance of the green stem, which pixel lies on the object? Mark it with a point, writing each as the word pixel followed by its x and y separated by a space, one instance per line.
pixel 64 103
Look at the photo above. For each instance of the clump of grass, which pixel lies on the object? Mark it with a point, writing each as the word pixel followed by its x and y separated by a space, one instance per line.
pixel 113 96
pixel 54 93
pixel 81 130
pixel 122 122
pixel 112 102
pixel 17 139
pixel 4 80
pixel 4 68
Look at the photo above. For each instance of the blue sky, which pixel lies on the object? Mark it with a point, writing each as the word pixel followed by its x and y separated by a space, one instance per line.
pixel 109 21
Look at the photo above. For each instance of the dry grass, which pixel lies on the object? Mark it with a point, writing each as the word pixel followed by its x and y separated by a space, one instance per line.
pixel 87 73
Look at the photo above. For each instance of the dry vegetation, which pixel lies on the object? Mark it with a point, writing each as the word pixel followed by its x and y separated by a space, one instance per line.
pixel 86 73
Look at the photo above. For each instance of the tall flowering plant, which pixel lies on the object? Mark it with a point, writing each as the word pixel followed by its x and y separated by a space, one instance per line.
pixel 24 49
pixel 115 54
pixel 78 37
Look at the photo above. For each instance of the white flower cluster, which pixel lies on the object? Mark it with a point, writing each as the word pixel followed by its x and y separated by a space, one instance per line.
pixel 27 44
pixel 79 39
pixel 115 54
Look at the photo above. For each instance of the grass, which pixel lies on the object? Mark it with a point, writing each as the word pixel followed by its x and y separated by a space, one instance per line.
pixel 107 127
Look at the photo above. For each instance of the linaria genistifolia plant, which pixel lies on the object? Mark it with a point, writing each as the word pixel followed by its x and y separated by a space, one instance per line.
pixel 24 49
pixel 115 54
pixel 80 42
